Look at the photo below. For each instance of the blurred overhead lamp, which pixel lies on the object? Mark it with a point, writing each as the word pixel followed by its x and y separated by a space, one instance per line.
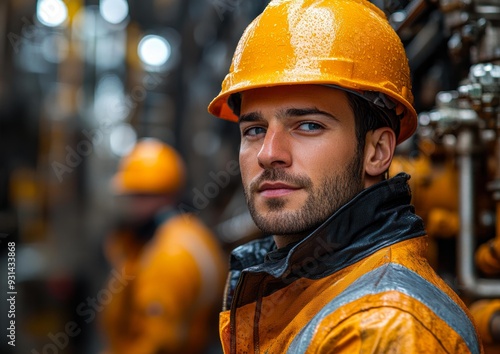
pixel 51 13
pixel 122 139
pixel 154 50
pixel 114 11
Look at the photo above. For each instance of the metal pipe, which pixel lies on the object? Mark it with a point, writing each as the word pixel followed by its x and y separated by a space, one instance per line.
pixel 412 11
pixel 486 314
pixel 469 282
pixel 487 255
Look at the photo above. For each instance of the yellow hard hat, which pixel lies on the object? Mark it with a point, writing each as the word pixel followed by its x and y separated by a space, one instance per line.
pixel 348 44
pixel 152 167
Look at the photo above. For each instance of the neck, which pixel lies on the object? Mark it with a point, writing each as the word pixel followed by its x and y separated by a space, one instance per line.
pixel 285 240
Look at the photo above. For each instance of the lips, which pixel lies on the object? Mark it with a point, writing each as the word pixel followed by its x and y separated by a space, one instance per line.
pixel 276 189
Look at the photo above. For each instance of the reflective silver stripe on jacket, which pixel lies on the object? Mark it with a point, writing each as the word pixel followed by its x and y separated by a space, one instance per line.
pixel 399 278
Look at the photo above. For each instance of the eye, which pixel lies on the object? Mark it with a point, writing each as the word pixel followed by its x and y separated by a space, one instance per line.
pixel 310 126
pixel 253 131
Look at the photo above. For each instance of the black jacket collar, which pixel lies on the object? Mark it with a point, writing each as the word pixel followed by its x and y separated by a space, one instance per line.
pixel 376 218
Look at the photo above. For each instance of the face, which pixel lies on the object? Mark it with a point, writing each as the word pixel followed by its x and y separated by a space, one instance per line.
pixel 298 156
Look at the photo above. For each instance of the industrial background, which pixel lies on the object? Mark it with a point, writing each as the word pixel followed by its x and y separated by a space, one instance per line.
pixel 81 81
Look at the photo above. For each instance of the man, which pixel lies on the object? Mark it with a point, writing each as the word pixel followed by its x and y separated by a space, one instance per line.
pixel 322 93
pixel 172 265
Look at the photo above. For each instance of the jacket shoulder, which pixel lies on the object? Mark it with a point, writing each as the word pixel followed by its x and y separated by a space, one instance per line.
pixel 392 290
pixel 386 329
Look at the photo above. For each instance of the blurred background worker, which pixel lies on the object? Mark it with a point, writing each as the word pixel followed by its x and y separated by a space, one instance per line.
pixel 168 269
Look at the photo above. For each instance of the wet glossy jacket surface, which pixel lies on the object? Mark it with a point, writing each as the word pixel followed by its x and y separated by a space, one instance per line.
pixel 359 283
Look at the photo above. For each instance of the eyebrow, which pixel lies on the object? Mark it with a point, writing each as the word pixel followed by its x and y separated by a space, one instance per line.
pixel 286 113
pixel 250 117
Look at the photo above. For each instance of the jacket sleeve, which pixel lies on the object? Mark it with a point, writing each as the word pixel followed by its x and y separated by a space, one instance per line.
pixel 386 330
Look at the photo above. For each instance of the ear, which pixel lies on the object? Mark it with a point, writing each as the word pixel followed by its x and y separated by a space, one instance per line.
pixel 379 150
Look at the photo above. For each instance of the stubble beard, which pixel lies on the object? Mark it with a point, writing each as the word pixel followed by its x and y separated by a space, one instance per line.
pixel 322 201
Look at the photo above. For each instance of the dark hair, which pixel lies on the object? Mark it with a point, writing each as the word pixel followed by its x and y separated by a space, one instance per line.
pixel 234 102
pixel 368 117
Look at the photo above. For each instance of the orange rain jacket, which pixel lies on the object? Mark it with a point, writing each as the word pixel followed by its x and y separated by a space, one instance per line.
pixel 174 289
pixel 360 283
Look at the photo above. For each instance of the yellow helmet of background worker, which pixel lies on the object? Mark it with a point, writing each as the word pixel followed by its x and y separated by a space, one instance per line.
pixel 152 167
pixel 348 44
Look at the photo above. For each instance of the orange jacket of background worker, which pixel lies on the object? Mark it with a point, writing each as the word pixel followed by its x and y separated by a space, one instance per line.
pixel 178 270
pixel 322 94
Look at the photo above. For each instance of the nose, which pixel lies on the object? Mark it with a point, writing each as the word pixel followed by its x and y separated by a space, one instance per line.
pixel 275 150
